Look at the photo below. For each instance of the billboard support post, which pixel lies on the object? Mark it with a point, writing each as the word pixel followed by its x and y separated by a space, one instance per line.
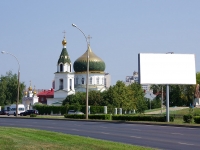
pixel 167 103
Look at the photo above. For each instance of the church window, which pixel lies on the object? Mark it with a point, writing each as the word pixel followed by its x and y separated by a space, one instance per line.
pixel 70 84
pixel 70 67
pixel 102 80
pixel 97 80
pixel 105 82
pixel 82 80
pixel 61 67
pixel 61 84
pixel 90 80
pixel 77 80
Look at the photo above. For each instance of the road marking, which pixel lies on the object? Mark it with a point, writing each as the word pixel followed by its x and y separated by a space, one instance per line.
pixel 103 127
pixel 136 137
pixel 136 129
pixel 75 130
pixel 104 133
pixel 184 143
pixel 178 133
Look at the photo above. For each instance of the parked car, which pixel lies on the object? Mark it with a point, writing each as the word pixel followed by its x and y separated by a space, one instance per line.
pixel 28 112
pixel 75 112
pixel 3 112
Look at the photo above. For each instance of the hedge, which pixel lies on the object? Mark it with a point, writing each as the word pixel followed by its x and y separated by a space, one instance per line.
pixel 46 109
pixel 141 118
pixel 100 117
pixel 187 118
pixel 197 119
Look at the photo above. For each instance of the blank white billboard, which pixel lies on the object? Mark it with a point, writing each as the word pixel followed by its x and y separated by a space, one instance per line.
pixel 166 68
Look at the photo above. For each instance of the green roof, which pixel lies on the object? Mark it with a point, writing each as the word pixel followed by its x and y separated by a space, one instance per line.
pixel 64 57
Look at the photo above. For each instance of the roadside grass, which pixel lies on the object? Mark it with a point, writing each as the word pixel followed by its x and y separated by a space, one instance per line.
pixel 152 110
pixel 32 139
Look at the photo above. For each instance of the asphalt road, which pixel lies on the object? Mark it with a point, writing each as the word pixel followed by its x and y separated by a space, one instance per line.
pixel 161 137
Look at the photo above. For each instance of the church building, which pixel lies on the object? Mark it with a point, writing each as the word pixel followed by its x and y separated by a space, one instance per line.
pixel 67 82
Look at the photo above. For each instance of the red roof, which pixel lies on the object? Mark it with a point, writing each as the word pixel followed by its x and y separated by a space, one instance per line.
pixel 46 92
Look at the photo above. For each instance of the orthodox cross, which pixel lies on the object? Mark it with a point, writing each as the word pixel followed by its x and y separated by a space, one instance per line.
pixel 64 33
pixel 89 37
pixel 30 83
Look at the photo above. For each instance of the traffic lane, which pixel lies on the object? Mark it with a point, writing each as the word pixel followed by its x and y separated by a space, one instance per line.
pixel 97 126
pixel 158 143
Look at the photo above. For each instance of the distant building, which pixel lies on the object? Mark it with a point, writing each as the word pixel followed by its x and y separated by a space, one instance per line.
pixel 30 98
pixel 134 79
pixel 107 80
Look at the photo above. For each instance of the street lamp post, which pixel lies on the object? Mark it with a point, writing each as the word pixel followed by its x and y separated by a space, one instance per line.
pixel 87 75
pixel 3 52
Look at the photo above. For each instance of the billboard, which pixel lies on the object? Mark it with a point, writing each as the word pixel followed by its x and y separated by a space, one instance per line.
pixel 166 68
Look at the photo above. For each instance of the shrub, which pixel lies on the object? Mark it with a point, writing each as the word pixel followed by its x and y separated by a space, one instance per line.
pixel 141 118
pixel 74 116
pixel 101 117
pixel 197 119
pixel 33 115
pixel 187 118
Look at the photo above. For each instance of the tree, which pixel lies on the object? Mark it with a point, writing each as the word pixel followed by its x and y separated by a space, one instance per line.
pixel 141 105
pixel 9 88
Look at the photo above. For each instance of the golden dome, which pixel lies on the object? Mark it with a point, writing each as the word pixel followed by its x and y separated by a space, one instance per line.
pixel 34 92
pixel 95 63
pixel 64 42
pixel 30 88
pixel 92 56
pixel 25 92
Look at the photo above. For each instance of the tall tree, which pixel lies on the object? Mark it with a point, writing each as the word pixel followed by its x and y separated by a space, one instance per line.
pixel 9 88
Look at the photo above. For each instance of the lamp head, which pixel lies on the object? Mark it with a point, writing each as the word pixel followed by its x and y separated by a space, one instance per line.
pixel 3 52
pixel 73 25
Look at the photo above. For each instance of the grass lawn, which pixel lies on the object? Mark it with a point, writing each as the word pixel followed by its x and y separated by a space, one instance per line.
pixel 32 139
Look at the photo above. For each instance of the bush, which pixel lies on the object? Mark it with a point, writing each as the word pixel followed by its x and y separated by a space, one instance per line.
pixel 74 116
pixel 100 117
pixel 141 118
pixel 33 115
pixel 187 118
pixel 197 119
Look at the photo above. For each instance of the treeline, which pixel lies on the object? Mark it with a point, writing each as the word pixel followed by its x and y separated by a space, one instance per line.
pixel 128 98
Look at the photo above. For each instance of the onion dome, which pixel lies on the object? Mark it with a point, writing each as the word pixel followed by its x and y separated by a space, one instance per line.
pixel 34 91
pixel 30 88
pixel 96 64
pixel 64 57
pixel 25 92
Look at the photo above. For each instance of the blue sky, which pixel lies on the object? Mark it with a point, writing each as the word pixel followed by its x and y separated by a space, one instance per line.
pixel 32 31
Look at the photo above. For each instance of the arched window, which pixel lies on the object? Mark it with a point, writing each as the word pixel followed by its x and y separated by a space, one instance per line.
pixel 90 80
pixel 61 84
pixel 82 80
pixel 61 67
pixel 102 80
pixel 97 80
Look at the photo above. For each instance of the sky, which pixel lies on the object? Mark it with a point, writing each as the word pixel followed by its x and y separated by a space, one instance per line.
pixel 33 32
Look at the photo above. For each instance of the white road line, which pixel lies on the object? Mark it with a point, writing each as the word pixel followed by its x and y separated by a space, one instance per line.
pixel 104 133
pixel 136 129
pixel 75 130
pixel 185 143
pixel 103 127
pixel 177 133
pixel 135 137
